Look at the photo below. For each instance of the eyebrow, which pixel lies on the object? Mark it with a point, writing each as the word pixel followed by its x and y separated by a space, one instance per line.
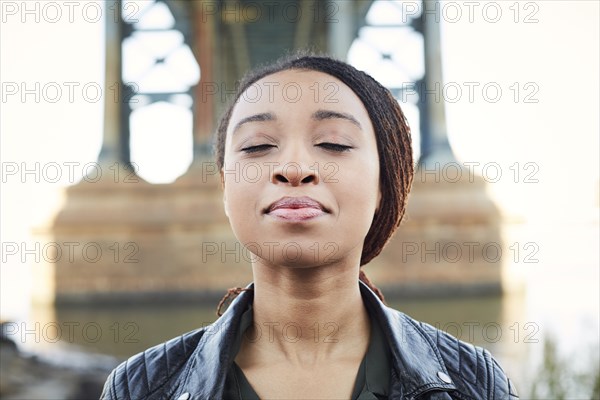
pixel 255 118
pixel 321 115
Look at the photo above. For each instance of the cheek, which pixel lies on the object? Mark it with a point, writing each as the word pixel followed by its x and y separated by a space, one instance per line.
pixel 359 183
pixel 241 194
pixel 234 190
pixel 237 212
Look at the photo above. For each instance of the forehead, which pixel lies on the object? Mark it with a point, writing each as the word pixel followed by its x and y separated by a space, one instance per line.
pixel 298 93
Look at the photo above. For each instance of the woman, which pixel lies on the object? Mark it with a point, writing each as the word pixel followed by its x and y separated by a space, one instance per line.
pixel 331 161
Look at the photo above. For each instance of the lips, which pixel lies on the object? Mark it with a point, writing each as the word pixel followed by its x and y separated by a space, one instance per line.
pixel 296 208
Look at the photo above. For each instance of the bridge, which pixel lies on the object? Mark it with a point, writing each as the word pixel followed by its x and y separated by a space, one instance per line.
pixel 172 241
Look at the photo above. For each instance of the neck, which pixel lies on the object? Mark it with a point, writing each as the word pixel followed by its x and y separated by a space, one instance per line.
pixel 308 315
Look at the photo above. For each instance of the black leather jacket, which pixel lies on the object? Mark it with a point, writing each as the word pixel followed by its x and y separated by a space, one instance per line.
pixel 427 363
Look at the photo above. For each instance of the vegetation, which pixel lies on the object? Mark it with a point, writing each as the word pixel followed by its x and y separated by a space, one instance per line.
pixel 558 380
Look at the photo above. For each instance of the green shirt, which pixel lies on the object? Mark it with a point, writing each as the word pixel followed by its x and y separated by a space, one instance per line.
pixel 372 379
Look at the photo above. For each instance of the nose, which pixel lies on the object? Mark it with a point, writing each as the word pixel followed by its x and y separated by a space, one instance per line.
pixel 295 174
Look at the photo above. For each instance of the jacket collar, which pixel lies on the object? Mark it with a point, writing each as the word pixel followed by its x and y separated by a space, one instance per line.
pixel 204 377
pixel 417 363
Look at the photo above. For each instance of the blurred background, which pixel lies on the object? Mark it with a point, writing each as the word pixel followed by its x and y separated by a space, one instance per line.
pixel 113 233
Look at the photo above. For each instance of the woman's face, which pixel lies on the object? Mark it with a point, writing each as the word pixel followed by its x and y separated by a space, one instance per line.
pixel 301 170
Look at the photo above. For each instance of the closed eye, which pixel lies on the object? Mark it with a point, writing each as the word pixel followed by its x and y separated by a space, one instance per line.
pixel 334 147
pixel 257 148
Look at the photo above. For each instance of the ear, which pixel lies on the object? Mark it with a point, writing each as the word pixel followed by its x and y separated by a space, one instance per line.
pixel 224 195
pixel 379 197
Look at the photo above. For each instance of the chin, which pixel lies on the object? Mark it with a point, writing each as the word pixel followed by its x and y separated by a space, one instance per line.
pixel 294 252
pixel 328 254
